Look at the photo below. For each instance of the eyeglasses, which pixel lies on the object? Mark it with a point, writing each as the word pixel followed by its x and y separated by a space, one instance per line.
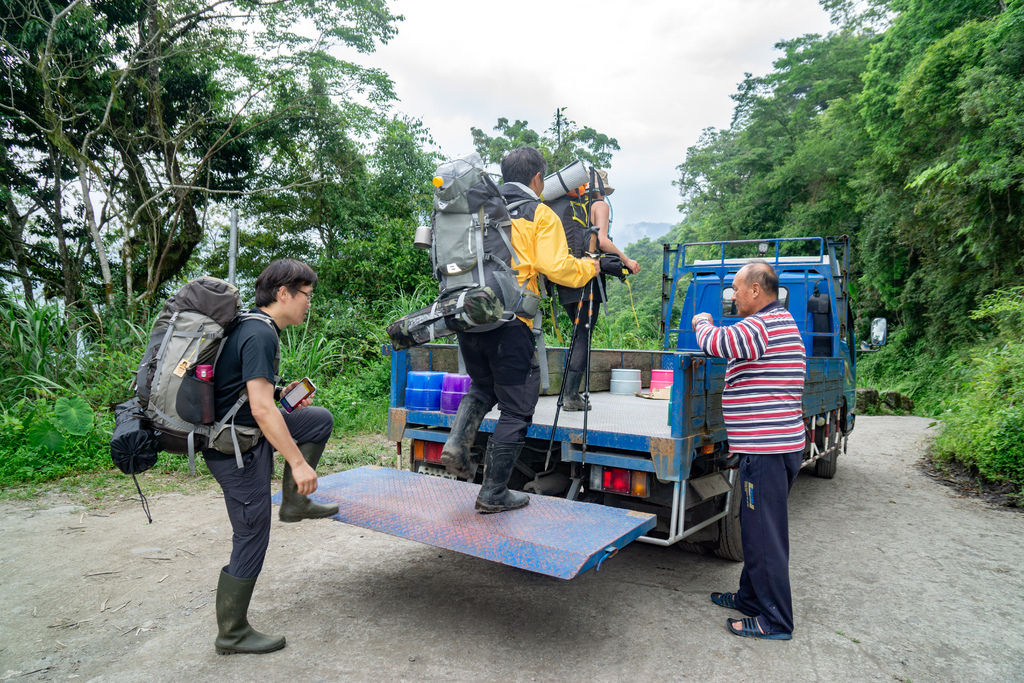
pixel 308 295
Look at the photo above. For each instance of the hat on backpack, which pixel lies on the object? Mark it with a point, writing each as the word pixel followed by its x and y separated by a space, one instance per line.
pixel 608 189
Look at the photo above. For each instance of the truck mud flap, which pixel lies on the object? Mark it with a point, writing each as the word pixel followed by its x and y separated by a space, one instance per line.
pixel 552 536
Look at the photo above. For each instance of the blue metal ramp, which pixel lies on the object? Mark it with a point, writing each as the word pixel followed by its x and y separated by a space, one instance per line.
pixel 552 536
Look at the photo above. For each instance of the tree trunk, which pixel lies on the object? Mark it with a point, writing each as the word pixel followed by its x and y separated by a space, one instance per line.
pixel 16 238
pixel 94 230
pixel 57 216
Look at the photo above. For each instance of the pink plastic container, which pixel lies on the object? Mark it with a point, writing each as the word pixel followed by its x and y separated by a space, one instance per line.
pixel 660 379
pixel 661 376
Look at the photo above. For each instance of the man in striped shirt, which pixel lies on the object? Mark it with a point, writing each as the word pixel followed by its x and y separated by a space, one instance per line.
pixel 762 408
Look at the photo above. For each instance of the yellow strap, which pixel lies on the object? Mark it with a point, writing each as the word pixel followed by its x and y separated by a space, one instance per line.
pixel 628 286
pixel 554 322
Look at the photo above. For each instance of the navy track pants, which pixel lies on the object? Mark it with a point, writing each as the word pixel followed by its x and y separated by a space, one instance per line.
pixel 247 490
pixel 765 483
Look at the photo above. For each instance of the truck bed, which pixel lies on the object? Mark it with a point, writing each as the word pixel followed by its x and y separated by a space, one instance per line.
pixel 611 413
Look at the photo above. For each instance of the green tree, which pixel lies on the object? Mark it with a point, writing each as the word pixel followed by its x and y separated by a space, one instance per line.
pixel 165 109
pixel 564 142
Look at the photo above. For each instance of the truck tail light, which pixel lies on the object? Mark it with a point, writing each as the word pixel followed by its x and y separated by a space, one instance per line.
pixel 427 450
pixel 618 480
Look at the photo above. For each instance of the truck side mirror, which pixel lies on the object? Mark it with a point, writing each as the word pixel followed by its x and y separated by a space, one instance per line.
pixel 879 327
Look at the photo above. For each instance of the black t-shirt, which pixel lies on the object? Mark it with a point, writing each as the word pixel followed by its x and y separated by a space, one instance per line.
pixel 249 352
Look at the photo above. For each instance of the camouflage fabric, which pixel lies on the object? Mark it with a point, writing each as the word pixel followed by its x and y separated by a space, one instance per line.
pixel 456 312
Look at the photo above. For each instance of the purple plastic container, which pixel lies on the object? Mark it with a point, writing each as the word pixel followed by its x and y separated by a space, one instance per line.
pixel 453 388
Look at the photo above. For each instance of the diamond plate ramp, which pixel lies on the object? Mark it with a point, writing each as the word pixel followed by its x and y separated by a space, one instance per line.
pixel 552 536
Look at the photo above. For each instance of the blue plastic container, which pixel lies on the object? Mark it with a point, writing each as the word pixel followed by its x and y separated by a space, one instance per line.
pixel 423 390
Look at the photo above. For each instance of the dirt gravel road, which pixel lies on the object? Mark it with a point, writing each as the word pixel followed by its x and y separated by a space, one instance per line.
pixel 895 578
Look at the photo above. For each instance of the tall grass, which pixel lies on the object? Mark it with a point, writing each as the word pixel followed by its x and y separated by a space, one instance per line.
pixel 38 343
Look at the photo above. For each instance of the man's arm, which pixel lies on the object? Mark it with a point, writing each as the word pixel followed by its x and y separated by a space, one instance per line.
pixel 270 421
pixel 551 252
pixel 599 216
pixel 746 340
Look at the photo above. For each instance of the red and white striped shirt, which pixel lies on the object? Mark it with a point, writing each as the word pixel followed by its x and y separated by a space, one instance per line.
pixel 764 379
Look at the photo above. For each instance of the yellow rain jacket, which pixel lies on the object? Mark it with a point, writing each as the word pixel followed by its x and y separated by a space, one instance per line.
pixel 539 241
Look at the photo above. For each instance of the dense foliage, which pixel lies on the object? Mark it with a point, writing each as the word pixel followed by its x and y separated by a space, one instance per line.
pixel 903 129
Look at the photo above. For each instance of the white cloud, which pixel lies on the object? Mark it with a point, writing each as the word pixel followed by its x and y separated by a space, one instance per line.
pixel 653 74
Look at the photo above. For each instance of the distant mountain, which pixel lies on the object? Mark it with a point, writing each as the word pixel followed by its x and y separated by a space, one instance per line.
pixel 624 235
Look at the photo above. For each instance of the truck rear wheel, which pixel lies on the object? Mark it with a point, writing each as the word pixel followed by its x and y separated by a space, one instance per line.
pixel 722 538
pixel 730 544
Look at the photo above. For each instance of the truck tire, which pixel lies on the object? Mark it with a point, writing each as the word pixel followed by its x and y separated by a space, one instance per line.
pixel 730 544
pixel 825 467
pixel 722 538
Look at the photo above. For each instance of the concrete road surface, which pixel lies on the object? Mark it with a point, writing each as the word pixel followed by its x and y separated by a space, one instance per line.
pixel 895 577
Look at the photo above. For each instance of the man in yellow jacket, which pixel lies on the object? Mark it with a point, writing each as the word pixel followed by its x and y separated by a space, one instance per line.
pixel 503 362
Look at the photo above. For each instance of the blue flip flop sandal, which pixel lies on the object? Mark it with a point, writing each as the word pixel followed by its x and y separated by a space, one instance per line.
pixel 750 630
pixel 728 600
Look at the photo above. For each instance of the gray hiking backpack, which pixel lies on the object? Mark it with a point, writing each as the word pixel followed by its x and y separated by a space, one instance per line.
pixel 471 256
pixel 472 239
pixel 180 406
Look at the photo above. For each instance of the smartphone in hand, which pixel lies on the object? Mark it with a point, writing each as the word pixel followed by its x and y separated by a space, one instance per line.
pixel 299 393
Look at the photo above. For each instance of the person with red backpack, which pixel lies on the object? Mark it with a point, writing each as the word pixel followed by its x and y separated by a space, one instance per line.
pixel 248 366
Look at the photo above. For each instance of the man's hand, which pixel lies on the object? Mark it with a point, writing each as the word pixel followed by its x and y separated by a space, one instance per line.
pixel 702 316
pixel 270 420
pixel 305 478
pixel 301 404
pixel 633 266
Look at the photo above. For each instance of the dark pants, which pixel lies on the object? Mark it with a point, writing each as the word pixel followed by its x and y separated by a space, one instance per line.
pixel 247 490
pixel 502 364
pixel 765 482
pixel 582 333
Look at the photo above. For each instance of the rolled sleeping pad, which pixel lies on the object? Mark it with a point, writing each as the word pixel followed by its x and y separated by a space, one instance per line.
pixel 565 179
pixel 451 313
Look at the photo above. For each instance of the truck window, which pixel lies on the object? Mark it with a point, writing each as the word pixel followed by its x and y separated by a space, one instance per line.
pixel 729 305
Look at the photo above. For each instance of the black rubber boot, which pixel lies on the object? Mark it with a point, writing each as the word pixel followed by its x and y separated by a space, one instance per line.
pixel 572 402
pixel 455 454
pixel 234 634
pixel 296 507
pixel 495 496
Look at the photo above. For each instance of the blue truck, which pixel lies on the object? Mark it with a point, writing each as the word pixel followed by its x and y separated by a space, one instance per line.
pixel 662 459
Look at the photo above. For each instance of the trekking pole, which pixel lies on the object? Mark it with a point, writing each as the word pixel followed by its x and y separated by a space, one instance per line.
pixel 586 369
pixel 561 392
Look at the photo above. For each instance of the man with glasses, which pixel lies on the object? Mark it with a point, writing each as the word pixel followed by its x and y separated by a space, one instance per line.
pixel 248 364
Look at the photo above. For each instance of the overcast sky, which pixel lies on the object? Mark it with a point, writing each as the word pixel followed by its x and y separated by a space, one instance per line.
pixel 653 75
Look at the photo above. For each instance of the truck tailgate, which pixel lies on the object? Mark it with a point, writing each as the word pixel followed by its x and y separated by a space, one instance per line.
pixel 553 536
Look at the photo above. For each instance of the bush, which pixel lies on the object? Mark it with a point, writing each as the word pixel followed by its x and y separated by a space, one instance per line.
pixel 984 427
pixel 46 439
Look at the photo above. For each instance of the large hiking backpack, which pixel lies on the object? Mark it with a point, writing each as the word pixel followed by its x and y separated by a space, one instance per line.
pixel 472 239
pixel 180 406
pixel 574 212
pixel 573 206
pixel 471 256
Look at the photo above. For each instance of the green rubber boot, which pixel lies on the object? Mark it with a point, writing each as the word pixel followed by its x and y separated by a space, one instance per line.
pixel 234 634
pixel 296 507
pixel 455 454
pixel 495 496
